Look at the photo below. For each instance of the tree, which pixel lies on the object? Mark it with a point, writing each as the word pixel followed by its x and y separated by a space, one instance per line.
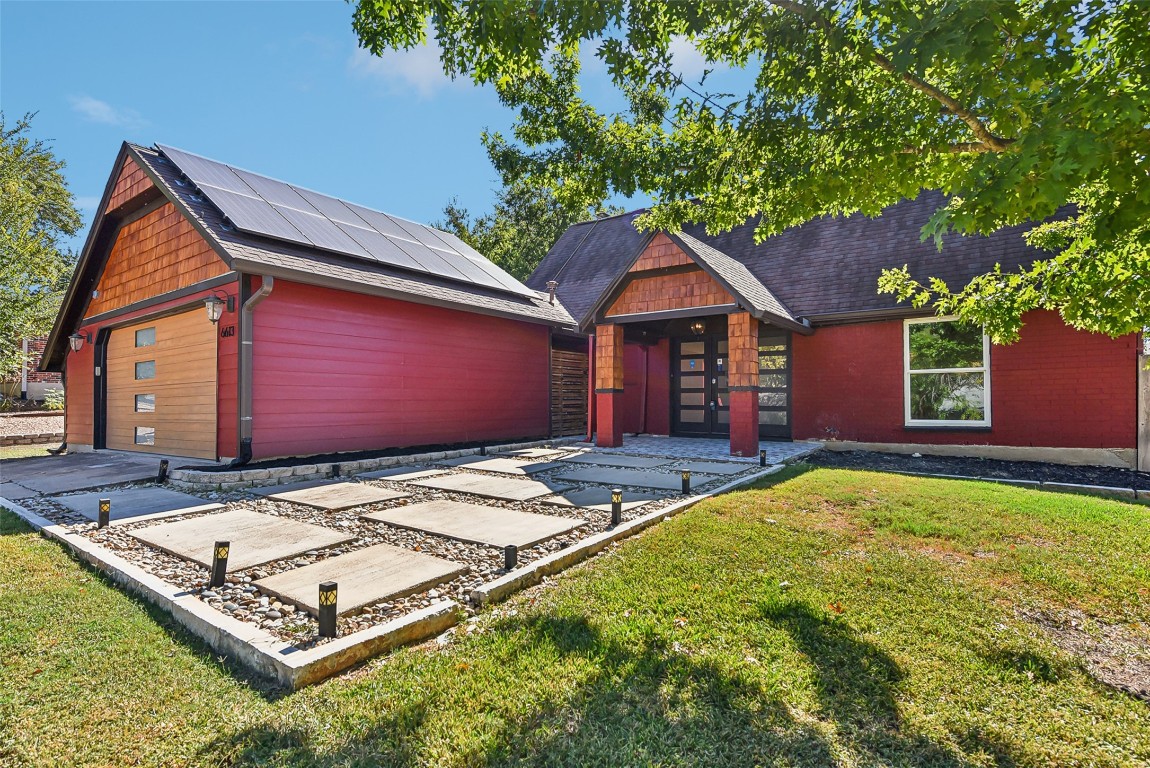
pixel 1013 109
pixel 524 224
pixel 36 213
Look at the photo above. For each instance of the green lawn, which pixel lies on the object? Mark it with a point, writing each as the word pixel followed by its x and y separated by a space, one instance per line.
pixel 23 451
pixel 835 617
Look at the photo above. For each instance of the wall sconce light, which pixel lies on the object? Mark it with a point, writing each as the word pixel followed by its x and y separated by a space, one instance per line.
pixel 76 340
pixel 215 306
pixel 698 327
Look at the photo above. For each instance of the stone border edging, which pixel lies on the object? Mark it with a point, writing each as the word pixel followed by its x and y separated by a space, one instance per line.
pixel 197 480
pixel 1089 490
pixel 42 437
pixel 255 649
pixel 533 573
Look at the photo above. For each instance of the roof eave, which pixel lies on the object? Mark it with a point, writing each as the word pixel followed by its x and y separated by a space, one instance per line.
pixel 53 358
pixel 252 267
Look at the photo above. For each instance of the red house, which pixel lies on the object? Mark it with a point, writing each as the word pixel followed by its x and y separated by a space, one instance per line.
pixel 718 336
pixel 219 314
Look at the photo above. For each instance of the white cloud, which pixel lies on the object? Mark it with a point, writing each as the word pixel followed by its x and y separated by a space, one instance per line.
pixel 686 60
pixel 97 111
pixel 417 69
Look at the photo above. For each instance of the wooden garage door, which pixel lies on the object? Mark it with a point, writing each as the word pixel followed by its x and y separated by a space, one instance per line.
pixel 162 387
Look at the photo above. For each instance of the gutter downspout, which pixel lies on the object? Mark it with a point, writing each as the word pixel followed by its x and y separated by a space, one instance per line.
pixel 24 371
pixel 246 364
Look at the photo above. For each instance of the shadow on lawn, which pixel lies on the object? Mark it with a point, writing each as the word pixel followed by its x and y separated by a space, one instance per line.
pixel 642 702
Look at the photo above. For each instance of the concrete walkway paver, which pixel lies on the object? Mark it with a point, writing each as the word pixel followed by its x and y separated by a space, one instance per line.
pixel 401 474
pixel 705 449
pixel 366 576
pixel 475 523
pixel 331 497
pixel 81 471
pixel 711 467
pixel 612 460
pixel 633 478
pixel 500 465
pixel 599 498
pixel 134 505
pixel 255 538
pixel 503 488
pixel 533 453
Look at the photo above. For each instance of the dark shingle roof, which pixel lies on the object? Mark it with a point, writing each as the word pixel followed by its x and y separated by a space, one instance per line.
pixel 255 254
pixel 824 267
pixel 737 276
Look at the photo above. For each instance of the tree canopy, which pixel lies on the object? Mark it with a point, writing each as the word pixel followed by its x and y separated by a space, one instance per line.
pixel 36 213
pixel 1012 109
pixel 523 225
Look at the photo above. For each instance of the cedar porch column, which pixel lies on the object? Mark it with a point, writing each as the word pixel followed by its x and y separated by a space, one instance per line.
pixel 609 385
pixel 743 381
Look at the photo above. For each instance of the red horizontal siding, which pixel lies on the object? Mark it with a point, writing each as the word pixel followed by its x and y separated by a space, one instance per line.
pixel 1056 387
pixel 342 372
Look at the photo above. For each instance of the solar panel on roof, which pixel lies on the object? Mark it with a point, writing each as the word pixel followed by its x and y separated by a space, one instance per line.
pixel 381 248
pixel 262 206
pixel 320 231
pixel 334 209
pixel 275 192
pixel 251 214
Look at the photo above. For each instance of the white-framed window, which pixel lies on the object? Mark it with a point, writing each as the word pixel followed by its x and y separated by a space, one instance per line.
pixel 946 371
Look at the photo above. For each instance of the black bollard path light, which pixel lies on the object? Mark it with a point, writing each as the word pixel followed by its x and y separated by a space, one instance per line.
pixel 328 591
pixel 686 481
pixel 616 506
pixel 104 513
pixel 219 563
pixel 762 458
pixel 162 476
pixel 510 557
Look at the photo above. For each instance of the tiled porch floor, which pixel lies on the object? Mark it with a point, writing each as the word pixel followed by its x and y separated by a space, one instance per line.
pixel 704 448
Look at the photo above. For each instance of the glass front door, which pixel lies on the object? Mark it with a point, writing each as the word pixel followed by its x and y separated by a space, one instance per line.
pixel 700 404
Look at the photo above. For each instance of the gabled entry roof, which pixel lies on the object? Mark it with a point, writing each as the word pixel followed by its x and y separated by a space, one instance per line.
pixel 821 271
pixel 744 287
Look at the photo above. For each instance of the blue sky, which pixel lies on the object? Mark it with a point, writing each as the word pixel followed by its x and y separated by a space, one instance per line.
pixel 279 88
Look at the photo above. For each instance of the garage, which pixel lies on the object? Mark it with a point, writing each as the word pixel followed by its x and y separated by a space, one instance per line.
pixel 161 386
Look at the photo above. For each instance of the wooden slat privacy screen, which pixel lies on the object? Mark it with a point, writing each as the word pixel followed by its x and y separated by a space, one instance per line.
pixel 568 393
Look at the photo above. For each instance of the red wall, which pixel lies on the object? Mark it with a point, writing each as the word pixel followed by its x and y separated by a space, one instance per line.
pixel 79 380
pixel 650 414
pixel 1055 387
pixel 342 372
pixel 81 376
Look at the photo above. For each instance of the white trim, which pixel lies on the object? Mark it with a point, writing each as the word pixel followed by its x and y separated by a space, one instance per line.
pixel 984 369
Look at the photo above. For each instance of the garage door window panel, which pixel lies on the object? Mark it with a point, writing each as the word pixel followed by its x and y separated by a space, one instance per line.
pixel 146 337
pixel 145 369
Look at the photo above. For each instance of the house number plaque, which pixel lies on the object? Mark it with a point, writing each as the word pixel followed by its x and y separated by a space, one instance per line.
pixel 227 330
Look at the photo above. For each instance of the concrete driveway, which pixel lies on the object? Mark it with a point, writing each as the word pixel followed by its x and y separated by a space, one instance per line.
pixel 46 475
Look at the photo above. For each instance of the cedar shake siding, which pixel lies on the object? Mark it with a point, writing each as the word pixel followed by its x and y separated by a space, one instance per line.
pixel 153 255
pixel 364 372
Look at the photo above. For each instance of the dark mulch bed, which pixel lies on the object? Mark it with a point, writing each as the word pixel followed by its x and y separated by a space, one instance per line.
pixel 971 467
pixel 336 458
